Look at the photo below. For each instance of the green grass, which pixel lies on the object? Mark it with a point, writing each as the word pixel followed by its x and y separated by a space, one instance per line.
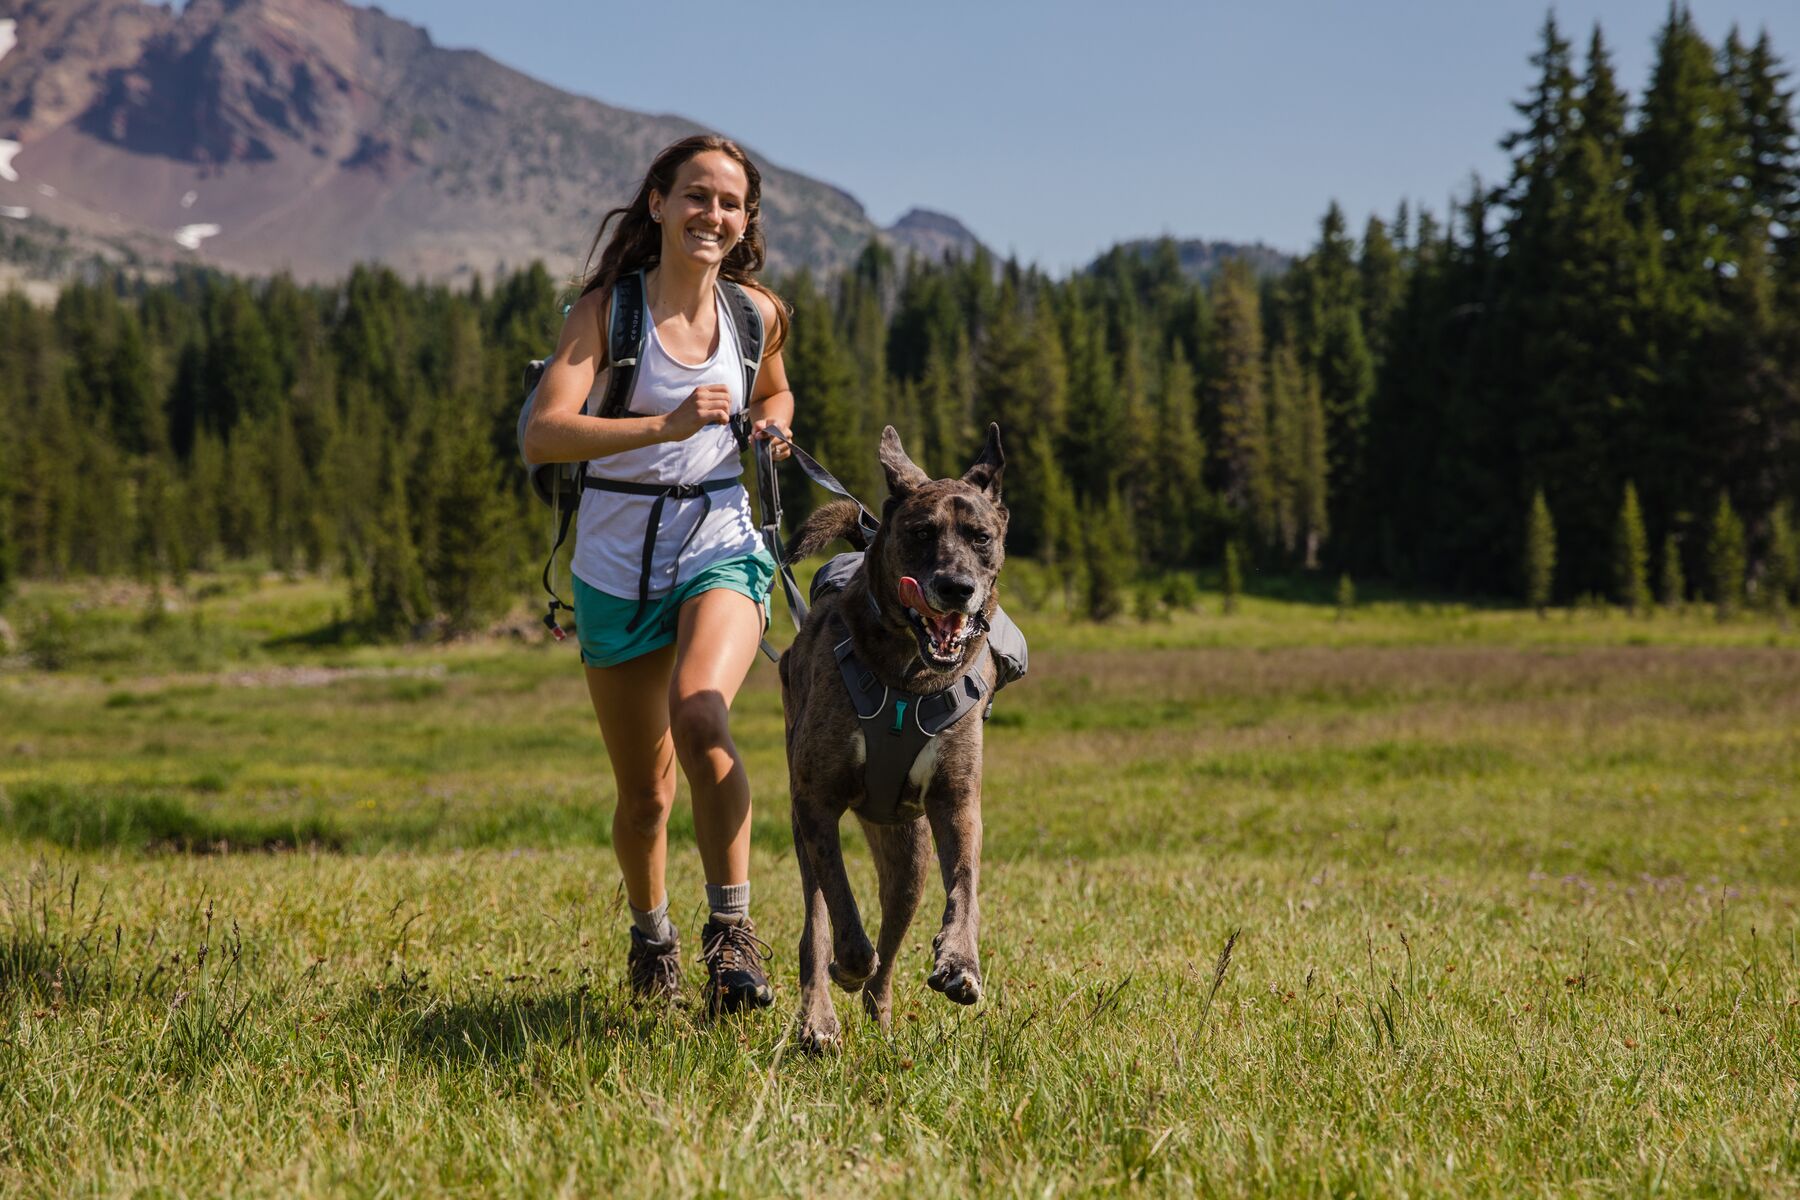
pixel 1515 903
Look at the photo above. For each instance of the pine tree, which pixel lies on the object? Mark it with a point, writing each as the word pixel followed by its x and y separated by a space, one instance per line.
pixel 822 374
pixel 1382 280
pixel 1674 583
pixel 1239 401
pixel 1297 443
pixel 1725 558
pixel 1782 574
pixel 1346 596
pixel 1111 558
pixel 1093 445
pixel 1631 555
pixel 1011 389
pixel 390 597
pixel 1682 149
pixel 1178 459
pixel 1232 577
pixel 1567 352
pixel 1540 554
pixel 1328 302
pixel 466 565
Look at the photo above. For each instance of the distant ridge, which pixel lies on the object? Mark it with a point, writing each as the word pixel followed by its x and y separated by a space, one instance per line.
pixel 1201 260
pixel 309 135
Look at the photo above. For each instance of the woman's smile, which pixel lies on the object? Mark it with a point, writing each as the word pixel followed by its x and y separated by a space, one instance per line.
pixel 707 205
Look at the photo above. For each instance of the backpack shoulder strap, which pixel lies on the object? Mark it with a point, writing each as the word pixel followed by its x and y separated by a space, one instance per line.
pixel 747 320
pixel 625 333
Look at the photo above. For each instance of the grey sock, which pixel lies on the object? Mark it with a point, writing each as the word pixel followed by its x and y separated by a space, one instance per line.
pixel 654 925
pixel 728 900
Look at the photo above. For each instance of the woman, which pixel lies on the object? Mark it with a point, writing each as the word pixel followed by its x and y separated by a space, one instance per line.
pixel 669 624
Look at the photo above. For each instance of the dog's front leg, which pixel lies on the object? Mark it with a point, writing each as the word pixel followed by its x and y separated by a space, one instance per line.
pixel 956 825
pixel 816 831
pixel 902 855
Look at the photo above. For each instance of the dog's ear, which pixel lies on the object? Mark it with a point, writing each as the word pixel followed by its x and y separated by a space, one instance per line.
pixel 985 474
pixel 903 475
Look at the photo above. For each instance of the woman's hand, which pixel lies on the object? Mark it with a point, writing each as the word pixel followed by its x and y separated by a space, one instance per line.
pixel 708 404
pixel 778 446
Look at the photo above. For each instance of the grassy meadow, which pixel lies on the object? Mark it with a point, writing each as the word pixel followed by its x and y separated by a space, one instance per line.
pixel 1433 899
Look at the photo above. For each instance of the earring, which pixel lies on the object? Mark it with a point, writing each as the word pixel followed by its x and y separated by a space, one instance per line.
pixel 657 217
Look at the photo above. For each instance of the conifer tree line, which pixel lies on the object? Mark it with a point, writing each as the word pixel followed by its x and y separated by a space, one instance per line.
pixel 1577 381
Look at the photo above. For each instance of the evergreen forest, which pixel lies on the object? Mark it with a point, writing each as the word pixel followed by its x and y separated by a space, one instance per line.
pixel 1581 380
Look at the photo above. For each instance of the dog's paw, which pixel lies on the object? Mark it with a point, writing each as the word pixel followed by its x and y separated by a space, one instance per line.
pixel 852 980
pixel 958 980
pixel 820 1034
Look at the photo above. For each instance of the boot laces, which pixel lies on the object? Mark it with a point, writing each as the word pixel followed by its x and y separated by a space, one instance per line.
pixel 734 947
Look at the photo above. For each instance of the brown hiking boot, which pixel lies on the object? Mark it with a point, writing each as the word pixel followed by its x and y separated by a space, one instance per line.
pixel 654 968
pixel 734 956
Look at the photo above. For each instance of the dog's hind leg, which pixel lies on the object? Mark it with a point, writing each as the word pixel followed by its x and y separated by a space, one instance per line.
pixel 956 826
pixel 819 1029
pixel 902 853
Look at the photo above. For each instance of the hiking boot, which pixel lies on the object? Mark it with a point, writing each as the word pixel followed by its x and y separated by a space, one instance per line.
pixel 734 956
pixel 654 968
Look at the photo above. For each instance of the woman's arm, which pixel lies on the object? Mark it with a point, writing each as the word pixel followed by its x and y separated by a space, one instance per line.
pixel 560 432
pixel 773 403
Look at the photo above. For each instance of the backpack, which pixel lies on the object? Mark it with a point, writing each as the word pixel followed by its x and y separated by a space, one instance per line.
pixel 559 485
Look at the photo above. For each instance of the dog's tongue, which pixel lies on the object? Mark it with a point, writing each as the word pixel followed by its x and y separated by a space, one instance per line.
pixel 913 596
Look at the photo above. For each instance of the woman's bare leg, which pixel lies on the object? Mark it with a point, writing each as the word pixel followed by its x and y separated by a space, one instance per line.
pixel 716 641
pixel 636 729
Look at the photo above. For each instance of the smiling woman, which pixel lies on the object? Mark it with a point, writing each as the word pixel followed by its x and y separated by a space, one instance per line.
pixel 671 580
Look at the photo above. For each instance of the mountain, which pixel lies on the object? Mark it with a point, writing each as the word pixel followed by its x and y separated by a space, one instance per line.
pixel 1201 260
pixel 932 235
pixel 309 135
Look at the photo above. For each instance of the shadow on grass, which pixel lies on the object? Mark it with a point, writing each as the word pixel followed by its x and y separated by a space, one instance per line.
pixel 483 1030
pixel 95 818
pixel 333 633
pixel 155 820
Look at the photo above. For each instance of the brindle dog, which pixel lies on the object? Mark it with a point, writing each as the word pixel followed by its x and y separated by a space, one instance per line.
pixel 917 612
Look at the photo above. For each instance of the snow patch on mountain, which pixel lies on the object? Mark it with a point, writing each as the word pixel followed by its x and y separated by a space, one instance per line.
pixel 190 236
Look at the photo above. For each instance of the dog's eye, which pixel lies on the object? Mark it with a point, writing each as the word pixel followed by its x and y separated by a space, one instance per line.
pixel 979 539
pixel 919 533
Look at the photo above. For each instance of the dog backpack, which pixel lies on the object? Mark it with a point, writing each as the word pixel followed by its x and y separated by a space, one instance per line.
pixel 560 485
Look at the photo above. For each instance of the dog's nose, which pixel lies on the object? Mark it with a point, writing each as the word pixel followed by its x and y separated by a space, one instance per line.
pixel 954 590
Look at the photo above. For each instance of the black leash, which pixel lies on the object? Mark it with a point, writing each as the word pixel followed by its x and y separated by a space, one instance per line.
pixel 768 491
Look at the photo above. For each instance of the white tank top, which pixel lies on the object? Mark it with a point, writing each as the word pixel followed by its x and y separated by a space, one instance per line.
pixel 609 528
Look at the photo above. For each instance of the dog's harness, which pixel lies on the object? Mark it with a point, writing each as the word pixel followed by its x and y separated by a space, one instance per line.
pixel 896 728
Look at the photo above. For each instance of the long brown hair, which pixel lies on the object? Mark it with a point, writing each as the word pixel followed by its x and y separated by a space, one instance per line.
pixel 637 242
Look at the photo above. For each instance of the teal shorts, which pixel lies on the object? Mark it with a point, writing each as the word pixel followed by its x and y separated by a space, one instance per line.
pixel 600 619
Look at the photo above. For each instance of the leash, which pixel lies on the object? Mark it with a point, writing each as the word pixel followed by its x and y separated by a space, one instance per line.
pixel 768 494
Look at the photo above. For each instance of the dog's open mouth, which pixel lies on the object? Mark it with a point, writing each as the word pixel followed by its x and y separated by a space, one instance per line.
pixel 941 635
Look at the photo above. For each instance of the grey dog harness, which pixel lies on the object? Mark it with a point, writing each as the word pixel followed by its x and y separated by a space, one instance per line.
pixel 896 728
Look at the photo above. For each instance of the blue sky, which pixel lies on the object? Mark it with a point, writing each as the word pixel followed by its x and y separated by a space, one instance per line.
pixel 1055 129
